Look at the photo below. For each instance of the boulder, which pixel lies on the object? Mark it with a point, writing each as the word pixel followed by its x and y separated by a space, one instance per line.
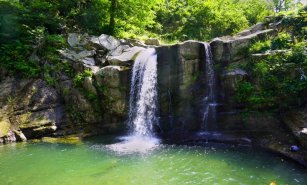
pixel 126 57
pixel 118 51
pixel 75 56
pixel 152 41
pixel 111 76
pixel 135 42
pixel 230 49
pixel 76 39
pixel 8 138
pixel 88 61
pixel 113 85
pixel 105 42
pixel 19 135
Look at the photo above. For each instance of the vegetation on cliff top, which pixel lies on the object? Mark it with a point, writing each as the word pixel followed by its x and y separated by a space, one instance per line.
pixel 37 28
pixel 278 78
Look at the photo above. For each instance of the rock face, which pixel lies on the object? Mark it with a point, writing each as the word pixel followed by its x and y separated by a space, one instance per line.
pixel 32 109
pixel 181 85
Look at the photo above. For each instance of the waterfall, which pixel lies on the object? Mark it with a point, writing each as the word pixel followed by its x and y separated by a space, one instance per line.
pixel 209 101
pixel 143 93
pixel 142 107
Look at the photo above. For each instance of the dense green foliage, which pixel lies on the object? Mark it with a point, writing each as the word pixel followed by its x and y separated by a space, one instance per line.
pixel 36 28
pixel 32 32
pixel 278 80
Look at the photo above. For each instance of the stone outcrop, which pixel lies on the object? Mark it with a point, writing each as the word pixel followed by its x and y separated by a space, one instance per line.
pixel 226 50
pixel 181 85
pixel 32 109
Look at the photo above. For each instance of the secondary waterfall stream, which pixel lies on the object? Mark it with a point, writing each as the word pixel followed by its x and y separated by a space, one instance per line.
pixel 209 102
pixel 142 106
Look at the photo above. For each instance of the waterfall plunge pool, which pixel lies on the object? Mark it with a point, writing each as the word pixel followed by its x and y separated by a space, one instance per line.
pixel 92 162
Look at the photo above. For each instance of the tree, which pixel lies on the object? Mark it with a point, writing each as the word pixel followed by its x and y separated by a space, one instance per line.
pixel 282 5
pixel 113 8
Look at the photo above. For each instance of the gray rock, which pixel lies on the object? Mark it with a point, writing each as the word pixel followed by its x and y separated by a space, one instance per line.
pixel 231 49
pixel 135 42
pixel 152 41
pixel 190 50
pixel 38 96
pixel 9 138
pixel 110 76
pixel 75 39
pixel 113 84
pixel 19 135
pixel 88 61
pixel 41 123
pixel 10 87
pixel 126 57
pixel 105 42
pixel 118 51
pixel 257 27
pixel 73 55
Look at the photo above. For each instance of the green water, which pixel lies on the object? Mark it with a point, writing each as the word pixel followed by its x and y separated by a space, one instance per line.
pixel 91 163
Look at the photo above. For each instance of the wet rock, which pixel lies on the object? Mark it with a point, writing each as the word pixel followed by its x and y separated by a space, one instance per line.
pixel 38 124
pixel 181 85
pixel 19 135
pixel 5 126
pixel 9 137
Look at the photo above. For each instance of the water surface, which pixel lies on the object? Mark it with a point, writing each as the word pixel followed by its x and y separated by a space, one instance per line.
pixel 92 162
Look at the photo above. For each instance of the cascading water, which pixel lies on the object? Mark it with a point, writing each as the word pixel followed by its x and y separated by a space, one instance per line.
pixel 142 106
pixel 143 94
pixel 209 102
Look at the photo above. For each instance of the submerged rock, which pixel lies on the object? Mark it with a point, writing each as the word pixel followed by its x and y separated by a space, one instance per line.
pixel 63 140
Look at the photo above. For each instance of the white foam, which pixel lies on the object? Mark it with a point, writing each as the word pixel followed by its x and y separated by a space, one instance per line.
pixel 135 144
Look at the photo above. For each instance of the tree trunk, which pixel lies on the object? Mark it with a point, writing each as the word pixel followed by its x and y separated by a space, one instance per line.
pixel 113 8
